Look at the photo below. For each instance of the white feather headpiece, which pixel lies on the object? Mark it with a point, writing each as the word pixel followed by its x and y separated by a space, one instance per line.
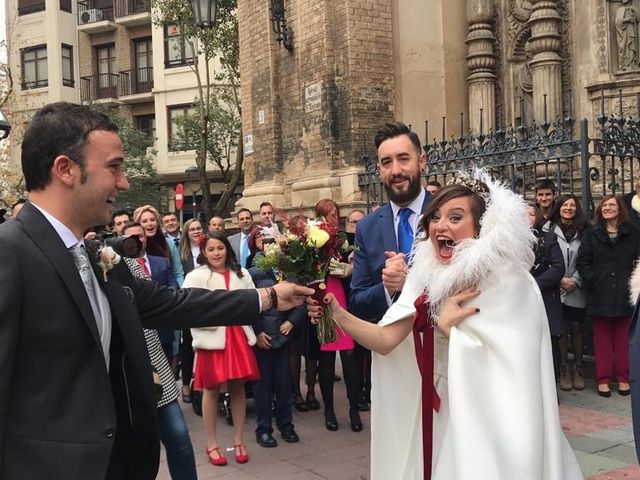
pixel 505 241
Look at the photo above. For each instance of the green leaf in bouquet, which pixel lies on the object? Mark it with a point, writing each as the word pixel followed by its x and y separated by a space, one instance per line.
pixel 296 249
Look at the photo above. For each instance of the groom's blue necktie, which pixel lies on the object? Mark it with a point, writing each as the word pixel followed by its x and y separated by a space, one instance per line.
pixel 405 232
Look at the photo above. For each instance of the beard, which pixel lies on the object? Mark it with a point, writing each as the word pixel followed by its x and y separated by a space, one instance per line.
pixel 403 197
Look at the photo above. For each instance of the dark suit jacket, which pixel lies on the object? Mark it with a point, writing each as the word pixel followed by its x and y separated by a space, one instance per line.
pixel 234 240
pixel 375 234
pixel 162 274
pixel 63 415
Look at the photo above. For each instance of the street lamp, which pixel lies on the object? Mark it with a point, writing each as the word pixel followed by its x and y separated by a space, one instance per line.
pixel 5 126
pixel 204 12
pixel 279 24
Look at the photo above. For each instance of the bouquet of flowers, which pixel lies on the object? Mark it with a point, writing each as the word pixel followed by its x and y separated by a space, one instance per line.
pixel 303 253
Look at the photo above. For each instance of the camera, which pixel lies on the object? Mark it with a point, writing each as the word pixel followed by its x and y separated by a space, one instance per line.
pixel 125 245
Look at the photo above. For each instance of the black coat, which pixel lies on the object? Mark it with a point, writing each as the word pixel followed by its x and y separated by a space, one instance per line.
pixel 548 270
pixel 606 266
pixel 63 415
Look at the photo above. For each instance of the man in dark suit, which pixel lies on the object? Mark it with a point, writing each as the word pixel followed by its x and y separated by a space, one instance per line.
pixel 240 241
pixel 76 396
pixel 379 262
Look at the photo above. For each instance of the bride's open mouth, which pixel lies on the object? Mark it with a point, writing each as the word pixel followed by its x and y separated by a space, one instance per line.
pixel 446 247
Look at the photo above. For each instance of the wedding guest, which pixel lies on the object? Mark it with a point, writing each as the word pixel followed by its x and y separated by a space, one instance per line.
pixel 255 242
pixel 272 353
pixel 239 240
pixel 216 224
pixel 323 357
pixel 223 354
pixel 365 354
pixel 569 223
pixel 160 246
pixel 545 192
pixel 119 219
pixel 268 220
pixel 352 220
pixel 433 187
pixel 189 252
pixel 171 227
pixel 605 262
pixel 174 434
pixel 548 269
pixel 149 218
pixel 470 298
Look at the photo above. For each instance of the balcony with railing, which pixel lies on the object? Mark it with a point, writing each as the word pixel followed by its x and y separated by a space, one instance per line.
pixel 131 13
pixel 102 88
pixel 136 85
pixel 95 20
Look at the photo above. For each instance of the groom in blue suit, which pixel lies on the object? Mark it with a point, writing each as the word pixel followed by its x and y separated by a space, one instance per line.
pixel 384 237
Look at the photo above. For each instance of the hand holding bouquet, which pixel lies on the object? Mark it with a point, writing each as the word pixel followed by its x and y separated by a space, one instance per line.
pixel 303 252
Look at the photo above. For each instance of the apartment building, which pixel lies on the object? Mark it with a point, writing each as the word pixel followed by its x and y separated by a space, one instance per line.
pixel 109 52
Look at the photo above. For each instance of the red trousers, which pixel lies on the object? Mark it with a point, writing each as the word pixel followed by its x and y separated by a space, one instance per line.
pixel 611 348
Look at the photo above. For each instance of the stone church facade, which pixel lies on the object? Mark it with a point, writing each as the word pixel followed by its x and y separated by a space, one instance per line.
pixel 309 109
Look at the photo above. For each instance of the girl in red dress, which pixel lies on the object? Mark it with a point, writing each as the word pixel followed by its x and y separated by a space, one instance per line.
pixel 223 354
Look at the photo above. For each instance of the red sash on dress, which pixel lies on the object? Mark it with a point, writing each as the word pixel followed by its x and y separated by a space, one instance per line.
pixel 430 399
pixel 227 279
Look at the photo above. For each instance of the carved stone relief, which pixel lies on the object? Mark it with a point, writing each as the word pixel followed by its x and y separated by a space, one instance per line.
pixel 499 69
pixel 625 22
pixel 601 33
pixel 518 14
pixel 564 8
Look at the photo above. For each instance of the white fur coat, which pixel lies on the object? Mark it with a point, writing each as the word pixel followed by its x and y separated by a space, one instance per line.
pixel 634 285
pixel 505 239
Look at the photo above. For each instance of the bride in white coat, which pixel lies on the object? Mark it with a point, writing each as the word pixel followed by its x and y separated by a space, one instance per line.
pixel 498 415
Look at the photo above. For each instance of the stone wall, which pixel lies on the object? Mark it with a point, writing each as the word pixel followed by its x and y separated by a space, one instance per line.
pixel 310 111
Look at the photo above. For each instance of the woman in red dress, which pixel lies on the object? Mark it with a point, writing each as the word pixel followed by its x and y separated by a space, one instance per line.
pixel 223 354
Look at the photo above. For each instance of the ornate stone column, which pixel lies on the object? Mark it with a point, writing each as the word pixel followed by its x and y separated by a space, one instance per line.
pixel 546 64
pixel 481 62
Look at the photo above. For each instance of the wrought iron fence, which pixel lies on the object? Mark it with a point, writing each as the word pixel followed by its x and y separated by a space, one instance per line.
pixel 524 155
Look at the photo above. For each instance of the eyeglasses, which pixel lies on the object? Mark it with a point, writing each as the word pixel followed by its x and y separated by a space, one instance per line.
pixel 194 229
pixel 352 222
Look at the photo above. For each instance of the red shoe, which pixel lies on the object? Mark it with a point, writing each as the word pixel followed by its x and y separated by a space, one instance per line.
pixel 240 457
pixel 220 460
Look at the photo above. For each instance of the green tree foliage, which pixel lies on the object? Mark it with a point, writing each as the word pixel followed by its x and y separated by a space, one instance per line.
pixel 214 130
pixel 144 187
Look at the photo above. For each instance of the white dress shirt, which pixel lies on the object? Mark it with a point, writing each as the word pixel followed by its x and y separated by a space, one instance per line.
pixel 104 323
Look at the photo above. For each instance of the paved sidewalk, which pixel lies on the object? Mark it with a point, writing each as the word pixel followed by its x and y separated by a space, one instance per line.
pixel 599 429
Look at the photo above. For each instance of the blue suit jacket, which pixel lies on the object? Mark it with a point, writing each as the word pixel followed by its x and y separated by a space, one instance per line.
pixel 162 274
pixel 375 234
